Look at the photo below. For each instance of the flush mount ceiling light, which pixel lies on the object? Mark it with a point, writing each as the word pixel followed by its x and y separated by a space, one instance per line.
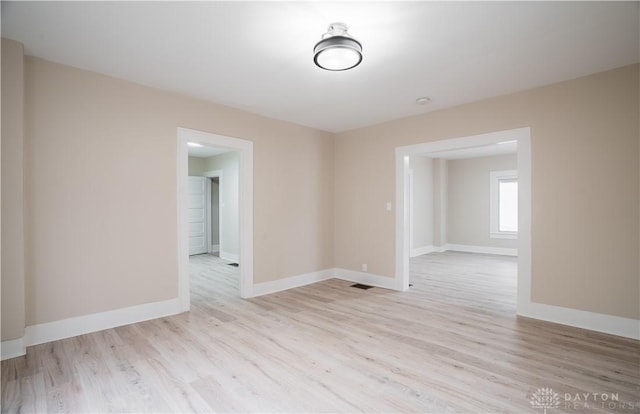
pixel 337 50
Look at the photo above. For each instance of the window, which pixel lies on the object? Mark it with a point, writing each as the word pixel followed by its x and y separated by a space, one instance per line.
pixel 504 204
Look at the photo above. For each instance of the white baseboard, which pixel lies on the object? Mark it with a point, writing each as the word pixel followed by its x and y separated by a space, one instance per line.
pixel 66 328
pixel 503 251
pixel 614 325
pixel 280 285
pixel 291 282
pixel 47 332
pixel 12 348
pixel 366 278
pixel 419 251
pixel 214 248
pixel 231 257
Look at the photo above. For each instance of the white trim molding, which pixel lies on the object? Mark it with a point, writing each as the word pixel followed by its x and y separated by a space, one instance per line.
pixel 614 325
pixel 80 325
pixel 503 251
pixel 366 279
pixel 504 235
pixel 525 307
pixel 67 328
pixel 231 257
pixel 12 348
pixel 419 251
pixel 245 203
pixel 215 248
pixel 292 282
pixel 52 331
pixel 523 137
pixel 266 288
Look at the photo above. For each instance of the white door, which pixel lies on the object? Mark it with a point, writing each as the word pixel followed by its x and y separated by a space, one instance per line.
pixel 197 215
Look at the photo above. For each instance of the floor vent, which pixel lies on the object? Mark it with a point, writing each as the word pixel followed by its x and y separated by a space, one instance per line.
pixel 361 286
pixel 233 264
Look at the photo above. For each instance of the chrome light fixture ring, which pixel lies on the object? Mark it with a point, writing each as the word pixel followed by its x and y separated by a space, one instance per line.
pixel 337 40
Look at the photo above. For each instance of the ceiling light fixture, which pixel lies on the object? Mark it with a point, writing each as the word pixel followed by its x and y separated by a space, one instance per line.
pixel 194 144
pixel 423 100
pixel 337 50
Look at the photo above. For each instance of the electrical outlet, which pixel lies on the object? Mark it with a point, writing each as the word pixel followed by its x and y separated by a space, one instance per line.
pixel 364 267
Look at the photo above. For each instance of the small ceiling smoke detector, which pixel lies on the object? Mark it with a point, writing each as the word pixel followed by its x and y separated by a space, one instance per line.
pixel 337 50
pixel 423 100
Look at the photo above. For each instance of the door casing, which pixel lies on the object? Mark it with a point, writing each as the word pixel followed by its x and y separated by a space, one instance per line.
pixel 245 199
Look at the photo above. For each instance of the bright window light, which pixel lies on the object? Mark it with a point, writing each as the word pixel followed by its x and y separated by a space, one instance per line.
pixel 503 204
pixel 508 216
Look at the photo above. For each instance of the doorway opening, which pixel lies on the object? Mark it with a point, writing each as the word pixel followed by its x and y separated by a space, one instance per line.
pixel 403 201
pixel 242 151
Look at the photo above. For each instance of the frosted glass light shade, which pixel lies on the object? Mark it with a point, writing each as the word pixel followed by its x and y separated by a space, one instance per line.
pixel 337 50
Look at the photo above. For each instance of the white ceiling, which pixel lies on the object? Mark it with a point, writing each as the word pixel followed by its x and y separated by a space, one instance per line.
pixel 508 147
pixel 257 56
pixel 205 151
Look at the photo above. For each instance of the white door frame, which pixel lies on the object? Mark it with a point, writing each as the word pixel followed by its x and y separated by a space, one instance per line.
pixel 245 199
pixel 523 136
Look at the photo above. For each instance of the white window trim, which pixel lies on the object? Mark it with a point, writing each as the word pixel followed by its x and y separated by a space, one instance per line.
pixel 494 204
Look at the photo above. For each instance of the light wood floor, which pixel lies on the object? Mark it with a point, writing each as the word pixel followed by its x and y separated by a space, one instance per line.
pixel 450 344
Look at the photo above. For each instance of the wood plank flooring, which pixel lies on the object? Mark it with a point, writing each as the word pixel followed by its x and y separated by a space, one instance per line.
pixel 450 344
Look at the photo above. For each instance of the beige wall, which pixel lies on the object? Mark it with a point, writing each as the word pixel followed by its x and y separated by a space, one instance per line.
pixel 440 199
pixel 468 200
pixel 422 202
pixel 585 189
pixel 13 296
pixel 101 191
pixel 294 179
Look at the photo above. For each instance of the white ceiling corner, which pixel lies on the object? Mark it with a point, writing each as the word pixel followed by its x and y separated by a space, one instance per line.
pixel 206 151
pixel 258 56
